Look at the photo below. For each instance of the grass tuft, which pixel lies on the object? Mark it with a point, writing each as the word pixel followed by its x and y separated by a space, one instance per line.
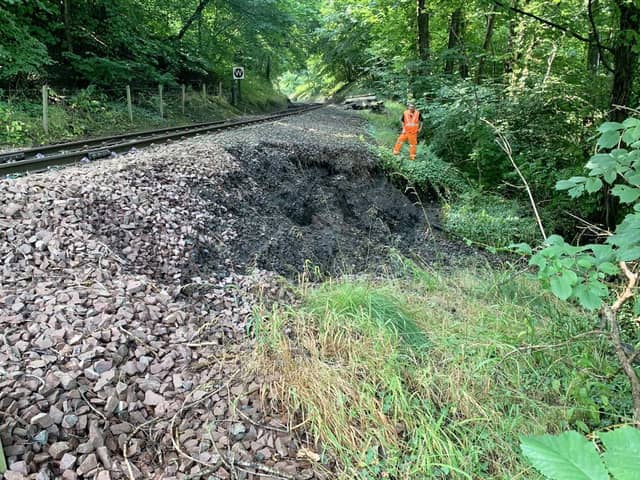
pixel 425 376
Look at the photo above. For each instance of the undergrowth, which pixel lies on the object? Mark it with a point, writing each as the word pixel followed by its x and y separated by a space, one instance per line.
pixel 91 112
pixel 428 173
pixel 468 212
pixel 425 376
pixel 489 220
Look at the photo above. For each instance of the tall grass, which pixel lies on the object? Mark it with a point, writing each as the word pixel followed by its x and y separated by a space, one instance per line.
pixel 420 377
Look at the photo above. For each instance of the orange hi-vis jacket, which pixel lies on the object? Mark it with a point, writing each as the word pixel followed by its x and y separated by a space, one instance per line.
pixel 411 121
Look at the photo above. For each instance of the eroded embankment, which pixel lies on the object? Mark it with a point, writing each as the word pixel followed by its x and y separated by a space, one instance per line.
pixel 299 206
pixel 126 290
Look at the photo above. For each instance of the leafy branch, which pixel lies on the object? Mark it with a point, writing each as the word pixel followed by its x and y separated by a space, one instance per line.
pixel 589 273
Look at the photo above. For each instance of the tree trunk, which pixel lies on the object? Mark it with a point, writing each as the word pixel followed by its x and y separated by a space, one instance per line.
pixel 423 30
pixel 455 27
pixel 67 25
pixel 625 57
pixel 268 68
pixel 511 58
pixel 491 20
pixel 196 15
pixel 464 62
pixel 593 52
pixel 593 56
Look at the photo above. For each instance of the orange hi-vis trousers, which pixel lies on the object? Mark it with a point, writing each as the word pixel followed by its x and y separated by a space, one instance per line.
pixel 413 142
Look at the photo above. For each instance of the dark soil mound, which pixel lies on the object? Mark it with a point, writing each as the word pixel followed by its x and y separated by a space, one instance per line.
pixel 312 206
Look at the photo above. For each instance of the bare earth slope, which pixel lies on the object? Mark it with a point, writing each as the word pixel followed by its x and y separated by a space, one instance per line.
pixel 126 287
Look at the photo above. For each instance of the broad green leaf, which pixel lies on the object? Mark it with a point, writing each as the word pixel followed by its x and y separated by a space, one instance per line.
pixel 610 176
pixel 586 261
pixel 586 297
pixel 631 135
pixel 627 238
pixel 568 456
pixel 601 161
pixel 634 179
pixel 628 254
pixel 539 261
pixel 610 127
pixel 628 231
pixel 554 240
pixel 598 288
pixel 622 455
pixel 620 155
pixel 562 286
pixel 603 253
pixel 577 191
pixel 609 268
pixel 571 183
pixel 636 306
pixel 631 122
pixel 593 185
pixel 523 248
pixel 609 139
pixel 625 193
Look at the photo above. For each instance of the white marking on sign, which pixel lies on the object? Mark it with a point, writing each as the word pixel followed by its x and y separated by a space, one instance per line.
pixel 238 73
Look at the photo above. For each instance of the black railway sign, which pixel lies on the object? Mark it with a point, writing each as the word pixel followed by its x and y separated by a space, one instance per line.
pixel 238 73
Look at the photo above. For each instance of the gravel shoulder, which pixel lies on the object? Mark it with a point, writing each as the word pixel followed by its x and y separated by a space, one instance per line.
pixel 127 288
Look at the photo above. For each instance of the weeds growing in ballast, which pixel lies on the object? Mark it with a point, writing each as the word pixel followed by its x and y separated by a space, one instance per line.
pixel 425 376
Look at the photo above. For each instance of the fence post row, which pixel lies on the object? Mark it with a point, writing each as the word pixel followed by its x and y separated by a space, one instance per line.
pixel 129 105
pixel 235 93
pixel 45 106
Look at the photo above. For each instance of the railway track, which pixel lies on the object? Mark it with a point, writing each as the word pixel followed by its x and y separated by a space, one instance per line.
pixel 43 157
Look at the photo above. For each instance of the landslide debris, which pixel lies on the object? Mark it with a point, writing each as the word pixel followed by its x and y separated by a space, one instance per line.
pixel 127 286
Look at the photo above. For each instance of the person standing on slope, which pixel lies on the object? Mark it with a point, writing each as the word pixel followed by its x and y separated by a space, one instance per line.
pixel 411 126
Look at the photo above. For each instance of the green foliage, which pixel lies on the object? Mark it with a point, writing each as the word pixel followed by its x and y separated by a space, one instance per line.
pixel 22 52
pixel 377 306
pixel 581 272
pixel 143 42
pixel 427 174
pixel 489 220
pixel 489 370
pixel 563 457
pixel 13 131
pixel 570 456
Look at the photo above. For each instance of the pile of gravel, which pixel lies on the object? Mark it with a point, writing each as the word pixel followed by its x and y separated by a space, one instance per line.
pixel 115 361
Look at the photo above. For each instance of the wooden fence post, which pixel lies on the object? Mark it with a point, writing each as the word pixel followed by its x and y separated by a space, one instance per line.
pixel 45 109
pixel 129 104
pixel 184 96
pixel 220 89
pixel 204 91
pixel 160 88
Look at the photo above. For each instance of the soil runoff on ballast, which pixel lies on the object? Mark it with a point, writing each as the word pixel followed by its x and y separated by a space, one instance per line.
pixel 127 286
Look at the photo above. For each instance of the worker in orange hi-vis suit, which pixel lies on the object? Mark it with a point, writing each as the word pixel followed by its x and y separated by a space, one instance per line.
pixel 411 126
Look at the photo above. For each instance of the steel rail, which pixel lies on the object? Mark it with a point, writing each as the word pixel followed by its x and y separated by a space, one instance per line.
pixel 102 148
